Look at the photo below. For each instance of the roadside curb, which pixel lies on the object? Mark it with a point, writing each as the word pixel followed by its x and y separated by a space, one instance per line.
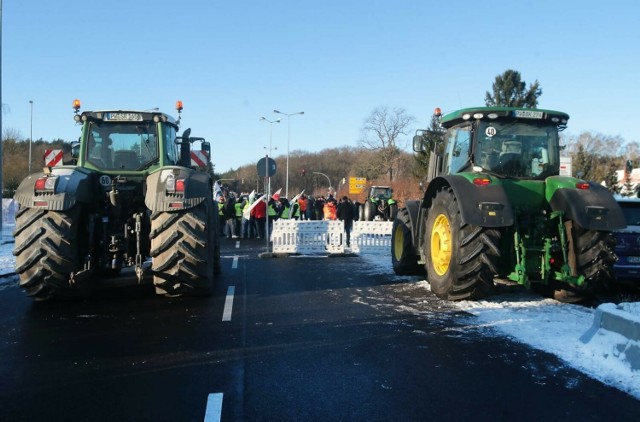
pixel 614 318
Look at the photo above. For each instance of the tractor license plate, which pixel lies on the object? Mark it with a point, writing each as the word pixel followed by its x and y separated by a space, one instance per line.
pixel 528 114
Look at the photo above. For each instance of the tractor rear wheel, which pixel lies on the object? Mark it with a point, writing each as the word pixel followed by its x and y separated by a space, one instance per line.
pixel 183 250
pixel 461 259
pixel 46 250
pixel 594 259
pixel 403 254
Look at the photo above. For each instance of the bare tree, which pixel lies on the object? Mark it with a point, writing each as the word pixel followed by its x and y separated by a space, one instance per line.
pixel 596 144
pixel 381 133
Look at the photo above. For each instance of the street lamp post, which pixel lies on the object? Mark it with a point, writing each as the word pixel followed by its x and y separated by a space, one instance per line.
pixel 268 180
pixel 286 189
pixel 31 135
pixel 329 180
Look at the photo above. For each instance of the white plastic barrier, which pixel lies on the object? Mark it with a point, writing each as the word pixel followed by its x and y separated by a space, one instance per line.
pixel 371 237
pixel 324 236
pixel 307 237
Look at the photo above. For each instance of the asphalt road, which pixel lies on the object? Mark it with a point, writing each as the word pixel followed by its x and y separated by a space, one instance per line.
pixel 282 339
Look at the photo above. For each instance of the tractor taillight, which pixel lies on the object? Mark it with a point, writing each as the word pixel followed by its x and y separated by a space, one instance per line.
pixel 45 184
pixel 582 185
pixel 39 185
pixel 175 185
pixel 481 181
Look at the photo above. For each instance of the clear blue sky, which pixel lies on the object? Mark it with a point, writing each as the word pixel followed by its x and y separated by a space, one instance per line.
pixel 232 62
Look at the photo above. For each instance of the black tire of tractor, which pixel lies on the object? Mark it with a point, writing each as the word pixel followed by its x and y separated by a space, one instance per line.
pixel 370 210
pixel 474 252
pixel 361 212
pixel 47 251
pixel 215 240
pixel 595 257
pixel 183 251
pixel 403 254
pixel 393 212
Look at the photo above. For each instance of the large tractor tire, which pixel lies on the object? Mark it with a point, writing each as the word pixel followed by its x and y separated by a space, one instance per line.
pixel 403 254
pixel 183 251
pixel 370 210
pixel 47 251
pixel 461 259
pixel 594 258
pixel 393 211
pixel 215 240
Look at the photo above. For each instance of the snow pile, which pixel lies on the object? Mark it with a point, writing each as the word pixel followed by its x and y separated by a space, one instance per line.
pixel 554 327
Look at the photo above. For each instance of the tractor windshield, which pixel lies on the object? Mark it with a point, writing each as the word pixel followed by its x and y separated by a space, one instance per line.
pixel 518 149
pixel 122 146
pixel 381 192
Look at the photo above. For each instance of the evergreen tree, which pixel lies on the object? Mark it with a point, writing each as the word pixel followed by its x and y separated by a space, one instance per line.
pixel 432 136
pixel 509 90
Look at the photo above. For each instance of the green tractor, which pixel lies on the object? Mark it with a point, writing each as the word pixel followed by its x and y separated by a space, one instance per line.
pixel 379 205
pixel 134 199
pixel 496 206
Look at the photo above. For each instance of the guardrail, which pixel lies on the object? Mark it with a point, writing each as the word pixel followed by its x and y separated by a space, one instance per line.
pixel 328 236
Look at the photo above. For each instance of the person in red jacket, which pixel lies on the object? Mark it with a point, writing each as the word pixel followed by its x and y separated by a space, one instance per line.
pixel 259 212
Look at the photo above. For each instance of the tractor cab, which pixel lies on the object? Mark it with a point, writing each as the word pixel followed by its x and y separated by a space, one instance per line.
pixel 503 142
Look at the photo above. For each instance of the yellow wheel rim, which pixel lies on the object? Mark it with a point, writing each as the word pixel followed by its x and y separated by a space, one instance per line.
pixel 441 244
pixel 398 243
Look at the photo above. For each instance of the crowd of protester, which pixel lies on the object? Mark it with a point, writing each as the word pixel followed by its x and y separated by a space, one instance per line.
pixel 245 216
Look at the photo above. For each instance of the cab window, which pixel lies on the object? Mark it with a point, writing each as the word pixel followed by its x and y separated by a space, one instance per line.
pixel 458 143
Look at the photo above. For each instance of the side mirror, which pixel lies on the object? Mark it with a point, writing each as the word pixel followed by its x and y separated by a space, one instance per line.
pixel 75 150
pixel 418 143
pixel 206 147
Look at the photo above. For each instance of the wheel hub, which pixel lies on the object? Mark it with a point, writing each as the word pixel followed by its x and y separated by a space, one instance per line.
pixel 441 244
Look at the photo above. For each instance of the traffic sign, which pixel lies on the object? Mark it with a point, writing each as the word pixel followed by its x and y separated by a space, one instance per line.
pixel 266 167
pixel 357 184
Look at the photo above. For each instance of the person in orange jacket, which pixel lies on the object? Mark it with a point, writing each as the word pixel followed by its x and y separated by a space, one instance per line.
pixel 330 209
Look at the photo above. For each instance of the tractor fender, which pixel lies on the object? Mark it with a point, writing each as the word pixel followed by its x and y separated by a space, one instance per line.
pixel 592 209
pixel 197 188
pixel 486 206
pixel 73 184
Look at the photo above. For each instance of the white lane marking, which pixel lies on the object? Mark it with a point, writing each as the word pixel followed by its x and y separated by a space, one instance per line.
pixel 228 304
pixel 214 408
pixel 237 244
pixel 234 264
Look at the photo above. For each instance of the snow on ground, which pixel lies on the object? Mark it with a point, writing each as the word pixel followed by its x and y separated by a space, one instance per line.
pixel 553 327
